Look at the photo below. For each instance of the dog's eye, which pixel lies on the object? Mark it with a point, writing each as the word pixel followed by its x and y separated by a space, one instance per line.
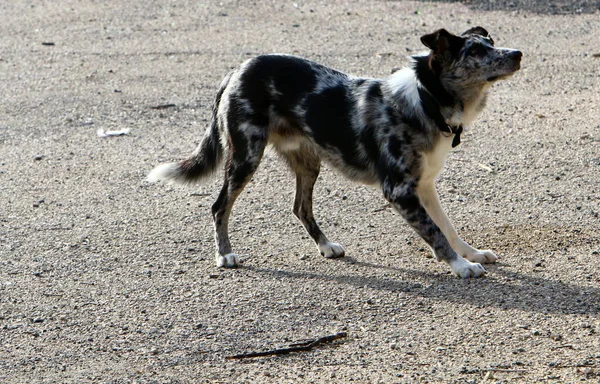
pixel 477 51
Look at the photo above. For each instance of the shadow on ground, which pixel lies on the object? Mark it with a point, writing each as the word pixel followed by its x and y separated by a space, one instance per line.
pixel 552 7
pixel 514 291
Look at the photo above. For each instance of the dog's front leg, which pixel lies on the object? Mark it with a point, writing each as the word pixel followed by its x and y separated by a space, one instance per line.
pixel 403 197
pixel 429 198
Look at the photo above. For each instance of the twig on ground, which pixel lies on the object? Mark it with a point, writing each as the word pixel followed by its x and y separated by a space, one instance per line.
pixel 505 370
pixel 581 365
pixel 163 106
pixel 47 294
pixel 562 346
pixel 297 347
pixel 383 208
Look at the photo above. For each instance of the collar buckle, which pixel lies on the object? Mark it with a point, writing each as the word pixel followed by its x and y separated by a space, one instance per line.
pixel 456 131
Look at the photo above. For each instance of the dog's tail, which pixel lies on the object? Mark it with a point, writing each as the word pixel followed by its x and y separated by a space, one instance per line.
pixel 203 161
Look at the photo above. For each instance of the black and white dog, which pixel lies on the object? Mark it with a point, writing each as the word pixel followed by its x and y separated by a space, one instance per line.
pixel 394 132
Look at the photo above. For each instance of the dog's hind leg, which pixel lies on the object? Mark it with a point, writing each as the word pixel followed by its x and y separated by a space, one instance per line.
pixel 244 155
pixel 306 165
pixel 402 194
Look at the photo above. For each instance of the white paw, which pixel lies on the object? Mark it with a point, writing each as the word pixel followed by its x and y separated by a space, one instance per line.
pixel 485 257
pixel 472 254
pixel 331 250
pixel 230 260
pixel 465 269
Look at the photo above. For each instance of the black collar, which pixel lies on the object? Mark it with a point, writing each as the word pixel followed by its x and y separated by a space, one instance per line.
pixel 432 109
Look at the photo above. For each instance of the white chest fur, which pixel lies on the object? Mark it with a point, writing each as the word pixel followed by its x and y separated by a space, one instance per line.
pixel 434 160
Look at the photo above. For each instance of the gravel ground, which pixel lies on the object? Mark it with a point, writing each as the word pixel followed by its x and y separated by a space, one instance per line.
pixel 105 279
pixel 552 7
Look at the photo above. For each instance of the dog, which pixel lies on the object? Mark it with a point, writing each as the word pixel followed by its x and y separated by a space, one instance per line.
pixel 394 133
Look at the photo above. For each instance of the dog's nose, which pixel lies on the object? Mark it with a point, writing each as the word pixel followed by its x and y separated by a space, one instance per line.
pixel 516 55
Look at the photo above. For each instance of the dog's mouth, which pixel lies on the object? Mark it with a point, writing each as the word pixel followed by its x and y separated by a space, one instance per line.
pixel 511 67
pixel 499 77
pixel 506 75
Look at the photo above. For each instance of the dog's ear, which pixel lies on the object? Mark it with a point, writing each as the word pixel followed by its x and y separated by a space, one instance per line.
pixel 442 41
pixel 479 31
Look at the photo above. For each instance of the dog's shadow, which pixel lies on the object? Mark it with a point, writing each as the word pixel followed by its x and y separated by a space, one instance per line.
pixel 512 290
pixel 535 6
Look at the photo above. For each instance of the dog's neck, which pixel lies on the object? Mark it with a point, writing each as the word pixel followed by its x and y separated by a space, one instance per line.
pixel 457 110
pixel 432 83
pixel 437 103
pixel 472 106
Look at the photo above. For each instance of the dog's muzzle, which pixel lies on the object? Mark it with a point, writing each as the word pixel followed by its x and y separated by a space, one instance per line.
pixel 516 56
pixel 512 58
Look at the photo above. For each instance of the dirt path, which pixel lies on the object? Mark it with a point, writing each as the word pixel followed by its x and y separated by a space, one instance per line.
pixel 106 279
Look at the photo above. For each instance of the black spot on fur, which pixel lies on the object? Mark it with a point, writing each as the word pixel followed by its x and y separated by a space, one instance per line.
pixel 314 231
pixel 367 139
pixel 241 173
pixel 394 146
pixel 407 138
pixel 255 138
pixel 235 116
pixel 291 77
pixel 409 203
pixel 392 115
pixel 412 123
pixel 390 177
pixel 431 81
pixel 328 115
pixel 221 202
pixel 374 92
pixel 359 82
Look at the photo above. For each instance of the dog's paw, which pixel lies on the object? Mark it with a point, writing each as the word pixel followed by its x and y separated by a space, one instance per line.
pixel 465 269
pixel 472 254
pixel 331 250
pixel 230 260
pixel 484 257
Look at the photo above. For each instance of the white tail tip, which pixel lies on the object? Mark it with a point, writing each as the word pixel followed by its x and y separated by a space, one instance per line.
pixel 168 171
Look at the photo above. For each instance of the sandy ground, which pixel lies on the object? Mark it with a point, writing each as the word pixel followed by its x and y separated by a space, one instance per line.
pixel 106 279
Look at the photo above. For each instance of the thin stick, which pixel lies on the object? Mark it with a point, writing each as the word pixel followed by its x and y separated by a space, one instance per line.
pixel 505 370
pixel 563 346
pixel 163 106
pixel 297 347
pixel 583 365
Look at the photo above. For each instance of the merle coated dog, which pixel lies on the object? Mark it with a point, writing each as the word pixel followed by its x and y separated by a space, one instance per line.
pixel 394 132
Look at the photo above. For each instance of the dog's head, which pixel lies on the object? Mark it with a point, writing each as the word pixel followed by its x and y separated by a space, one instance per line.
pixel 470 58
